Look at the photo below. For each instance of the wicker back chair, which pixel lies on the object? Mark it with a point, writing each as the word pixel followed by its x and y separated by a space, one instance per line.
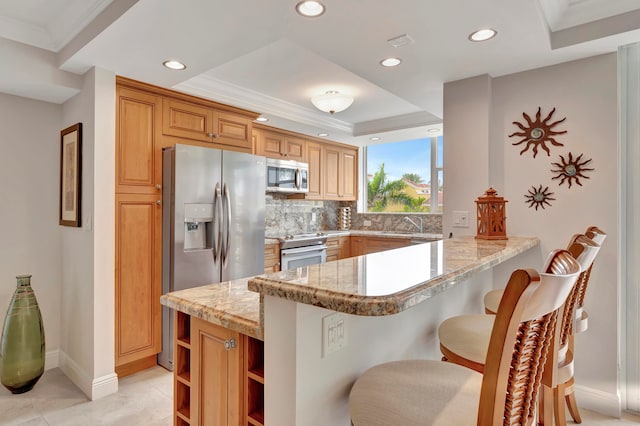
pixel 440 393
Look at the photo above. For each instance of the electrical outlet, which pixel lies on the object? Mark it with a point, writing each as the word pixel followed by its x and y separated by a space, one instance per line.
pixel 334 333
pixel 460 219
pixel 366 223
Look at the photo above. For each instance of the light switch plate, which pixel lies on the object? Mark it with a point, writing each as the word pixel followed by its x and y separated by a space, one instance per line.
pixel 460 219
pixel 366 222
pixel 334 333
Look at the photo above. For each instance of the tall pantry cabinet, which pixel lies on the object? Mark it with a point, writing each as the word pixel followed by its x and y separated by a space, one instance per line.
pixel 138 230
pixel 149 118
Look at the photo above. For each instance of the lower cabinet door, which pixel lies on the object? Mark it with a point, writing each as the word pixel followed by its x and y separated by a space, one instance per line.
pixel 216 375
pixel 138 277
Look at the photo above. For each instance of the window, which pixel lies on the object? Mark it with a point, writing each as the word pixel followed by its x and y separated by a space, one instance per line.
pixel 403 177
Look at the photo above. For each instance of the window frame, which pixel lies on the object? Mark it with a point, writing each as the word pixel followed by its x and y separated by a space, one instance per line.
pixel 435 170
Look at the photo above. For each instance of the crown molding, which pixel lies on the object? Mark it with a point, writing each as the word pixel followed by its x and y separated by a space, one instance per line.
pixel 399 122
pixel 221 91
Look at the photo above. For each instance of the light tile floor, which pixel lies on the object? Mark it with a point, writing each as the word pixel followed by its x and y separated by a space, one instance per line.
pixel 143 399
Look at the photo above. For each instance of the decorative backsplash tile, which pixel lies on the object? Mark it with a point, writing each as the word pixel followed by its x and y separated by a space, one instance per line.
pixel 290 216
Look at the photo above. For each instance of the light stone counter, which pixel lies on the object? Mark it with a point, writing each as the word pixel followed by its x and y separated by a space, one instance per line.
pixel 227 304
pixel 392 281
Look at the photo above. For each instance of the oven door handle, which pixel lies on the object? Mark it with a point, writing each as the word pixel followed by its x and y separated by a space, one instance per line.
pixel 298 250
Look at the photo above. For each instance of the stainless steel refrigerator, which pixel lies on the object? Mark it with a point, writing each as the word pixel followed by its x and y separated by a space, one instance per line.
pixel 212 222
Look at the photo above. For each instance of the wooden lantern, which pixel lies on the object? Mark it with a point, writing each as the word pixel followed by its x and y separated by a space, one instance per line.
pixel 491 216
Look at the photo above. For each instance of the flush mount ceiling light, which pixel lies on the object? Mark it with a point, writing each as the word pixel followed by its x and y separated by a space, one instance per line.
pixel 390 62
pixel 262 119
pixel 310 9
pixel 483 34
pixel 332 101
pixel 174 65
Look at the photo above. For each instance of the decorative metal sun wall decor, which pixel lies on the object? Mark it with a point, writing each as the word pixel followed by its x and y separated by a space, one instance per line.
pixel 571 169
pixel 538 197
pixel 537 132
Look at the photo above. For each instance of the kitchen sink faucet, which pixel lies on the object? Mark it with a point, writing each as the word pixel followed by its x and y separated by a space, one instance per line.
pixel 408 219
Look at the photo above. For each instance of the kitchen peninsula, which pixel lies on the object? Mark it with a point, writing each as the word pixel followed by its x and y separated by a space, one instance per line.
pixel 388 305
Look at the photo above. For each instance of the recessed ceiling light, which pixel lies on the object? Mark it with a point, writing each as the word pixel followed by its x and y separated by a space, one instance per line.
pixel 174 65
pixel 262 119
pixel 390 62
pixel 433 130
pixel 310 9
pixel 483 34
pixel 323 135
pixel 374 138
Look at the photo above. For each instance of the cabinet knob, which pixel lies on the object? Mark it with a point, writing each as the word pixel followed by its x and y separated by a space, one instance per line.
pixel 158 186
pixel 210 134
pixel 216 136
pixel 158 202
pixel 230 344
pixel 285 154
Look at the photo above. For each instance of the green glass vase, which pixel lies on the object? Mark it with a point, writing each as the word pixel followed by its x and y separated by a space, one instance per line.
pixel 22 343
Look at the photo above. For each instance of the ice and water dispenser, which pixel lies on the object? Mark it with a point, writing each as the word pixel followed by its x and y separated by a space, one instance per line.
pixel 198 226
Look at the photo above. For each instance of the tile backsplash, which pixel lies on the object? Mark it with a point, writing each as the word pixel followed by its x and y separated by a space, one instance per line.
pixel 290 216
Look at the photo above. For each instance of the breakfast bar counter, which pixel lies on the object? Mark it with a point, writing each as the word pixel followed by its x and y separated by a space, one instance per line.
pixel 392 281
pixel 265 341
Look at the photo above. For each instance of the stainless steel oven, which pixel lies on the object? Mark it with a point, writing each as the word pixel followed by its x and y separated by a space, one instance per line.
pixel 302 250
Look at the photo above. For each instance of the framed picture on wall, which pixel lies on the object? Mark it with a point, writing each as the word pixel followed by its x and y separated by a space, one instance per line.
pixel 70 175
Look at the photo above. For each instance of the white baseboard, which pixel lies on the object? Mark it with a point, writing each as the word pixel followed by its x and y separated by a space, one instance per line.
pixel 51 359
pixel 604 403
pixel 93 388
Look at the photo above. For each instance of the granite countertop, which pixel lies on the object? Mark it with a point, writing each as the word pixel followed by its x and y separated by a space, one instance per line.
pixel 385 234
pixel 228 304
pixel 364 285
pixel 370 285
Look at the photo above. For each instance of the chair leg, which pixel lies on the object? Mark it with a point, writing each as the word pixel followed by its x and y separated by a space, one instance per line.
pixel 570 399
pixel 545 406
pixel 558 405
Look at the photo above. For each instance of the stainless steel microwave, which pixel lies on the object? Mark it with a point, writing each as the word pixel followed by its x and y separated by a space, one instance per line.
pixel 287 176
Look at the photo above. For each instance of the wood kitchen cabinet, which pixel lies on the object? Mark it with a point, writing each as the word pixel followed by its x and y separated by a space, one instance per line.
pixel 338 248
pixel 204 123
pixel 138 160
pixel 315 152
pixel 271 257
pixel 361 245
pixel 340 173
pixel 281 146
pixel 149 118
pixel 138 281
pixel 218 375
pixel 217 355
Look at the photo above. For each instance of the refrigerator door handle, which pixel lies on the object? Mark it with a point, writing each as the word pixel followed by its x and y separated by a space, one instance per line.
pixel 217 223
pixel 227 224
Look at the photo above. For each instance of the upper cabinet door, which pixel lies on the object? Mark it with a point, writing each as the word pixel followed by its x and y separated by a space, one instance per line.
pixel 230 129
pixel 186 120
pixel 349 182
pixel 316 164
pixel 294 149
pixel 270 144
pixel 197 122
pixel 138 119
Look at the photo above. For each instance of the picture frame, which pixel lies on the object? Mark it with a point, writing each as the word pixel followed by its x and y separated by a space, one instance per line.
pixel 70 175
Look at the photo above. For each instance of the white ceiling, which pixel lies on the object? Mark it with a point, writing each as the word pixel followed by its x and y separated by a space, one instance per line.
pixel 262 56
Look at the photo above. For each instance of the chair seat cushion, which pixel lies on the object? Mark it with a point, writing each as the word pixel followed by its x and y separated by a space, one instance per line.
pixel 416 392
pixel 467 336
pixel 492 300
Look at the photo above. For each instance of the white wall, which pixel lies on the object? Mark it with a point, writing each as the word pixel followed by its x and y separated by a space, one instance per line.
pixel 87 300
pixel 31 236
pixel 585 92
